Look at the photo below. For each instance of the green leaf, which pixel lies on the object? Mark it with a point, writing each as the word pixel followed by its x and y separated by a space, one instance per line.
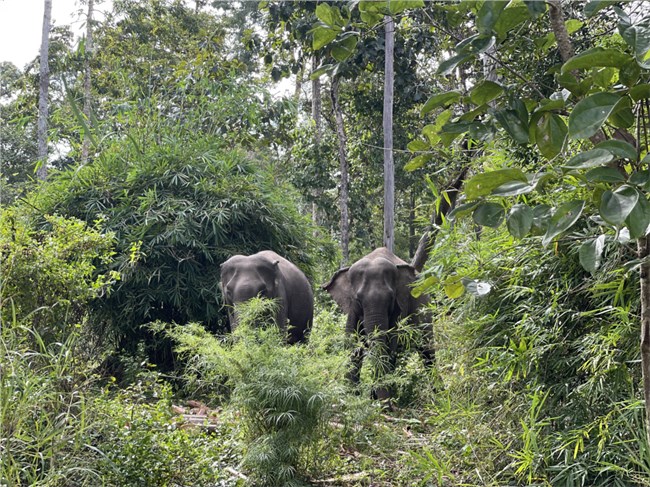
pixel 590 253
pixel 622 116
pixel 488 214
pixel 590 158
pixel 639 219
pixel 638 38
pixel 484 92
pixel 597 57
pixel 605 175
pixel 619 148
pixel 550 134
pixel 616 206
pixel 589 114
pixel 326 68
pixel 641 179
pixel 322 36
pixel 640 92
pixel 448 65
pixel 417 145
pixel 329 15
pixel 417 162
pixel 535 7
pixel 512 188
pixel 398 6
pixel 488 15
pixel 462 210
pixel 475 44
pixel 516 127
pixel 510 18
pixel 564 218
pixel 630 73
pixel 453 287
pixel 541 219
pixel 440 100
pixel 345 48
pixel 519 220
pixel 482 184
pixel 593 6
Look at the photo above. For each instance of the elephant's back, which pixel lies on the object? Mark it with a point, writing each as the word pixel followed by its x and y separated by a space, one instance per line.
pixel 384 253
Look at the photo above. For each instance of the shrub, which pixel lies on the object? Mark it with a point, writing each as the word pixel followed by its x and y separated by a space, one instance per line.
pixel 285 395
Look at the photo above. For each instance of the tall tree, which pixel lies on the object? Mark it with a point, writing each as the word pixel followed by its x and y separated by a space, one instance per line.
pixel 389 165
pixel 44 84
pixel 343 160
pixel 87 79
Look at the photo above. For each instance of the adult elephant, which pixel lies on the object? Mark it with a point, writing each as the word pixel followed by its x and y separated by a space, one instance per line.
pixel 375 293
pixel 267 274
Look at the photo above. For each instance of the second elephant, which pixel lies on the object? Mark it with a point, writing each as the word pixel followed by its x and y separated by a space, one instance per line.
pixel 375 293
pixel 268 275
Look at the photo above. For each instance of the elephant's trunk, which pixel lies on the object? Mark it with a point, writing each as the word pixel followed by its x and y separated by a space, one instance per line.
pixel 377 326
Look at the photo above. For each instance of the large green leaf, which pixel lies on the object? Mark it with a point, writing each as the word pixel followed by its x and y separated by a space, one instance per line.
pixel 616 206
pixel 488 214
pixel 619 149
pixel 590 158
pixel 641 179
pixel 550 134
pixel 344 48
pixel 488 15
pixel 484 92
pixel 605 175
pixel 510 18
pixel 591 252
pixel 639 218
pixel 589 114
pixel 511 121
pixel 541 219
pixel 448 65
pixel 597 57
pixel 440 100
pixel 475 44
pixel 622 116
pixel 630 74
pixel 513 188
pixel 372 12
pixel 329 15
pixel 323 35
pixel 453 287
pixel 417 162
pixel 593 6
pixel 638 38
pixel 482 184
pixel 564 218
pixel 462 210
pixel 519 220
pixel 640 92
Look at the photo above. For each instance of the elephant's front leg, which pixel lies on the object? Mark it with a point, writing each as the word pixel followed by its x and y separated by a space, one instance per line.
pixel 356 341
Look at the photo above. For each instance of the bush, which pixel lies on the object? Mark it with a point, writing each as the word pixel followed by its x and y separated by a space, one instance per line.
pixel 285 395
pixel 50 274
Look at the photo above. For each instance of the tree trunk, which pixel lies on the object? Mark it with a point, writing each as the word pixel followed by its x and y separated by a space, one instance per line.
pixel 429 235
pixel 559 29
pixel 44 84
pixel 389 165
pixel 343 194
pixel 85 148
pixel 643 245
pixel 316 105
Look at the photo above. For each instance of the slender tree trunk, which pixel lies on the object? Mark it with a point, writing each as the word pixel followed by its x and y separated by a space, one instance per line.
pixel 343 194
pixel 429 235
pixel 44 84
pixel 559 29
pixel 85 148
pixel 389 165
pixel 316 115
pixel 643 245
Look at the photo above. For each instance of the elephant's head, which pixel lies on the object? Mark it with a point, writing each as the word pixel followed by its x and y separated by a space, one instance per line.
pixel 246 277
pixel 374 291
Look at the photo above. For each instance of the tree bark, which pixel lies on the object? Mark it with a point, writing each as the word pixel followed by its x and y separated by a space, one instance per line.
pixel 429 236
pixel 559 29
pixel 643 246
pixel 343 193
pixel 85 148
pixel 44 84
pixel 389 164
pixel 316 105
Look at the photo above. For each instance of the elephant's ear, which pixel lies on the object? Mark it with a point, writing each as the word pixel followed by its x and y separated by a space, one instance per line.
pixel 406 276
pixel 340 289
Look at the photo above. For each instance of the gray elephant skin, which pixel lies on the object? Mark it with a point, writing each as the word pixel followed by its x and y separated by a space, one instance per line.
pixel 267 274
pixel 375 293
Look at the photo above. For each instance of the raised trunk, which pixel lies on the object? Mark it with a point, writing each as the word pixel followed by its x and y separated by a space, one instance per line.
pixel 643 245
